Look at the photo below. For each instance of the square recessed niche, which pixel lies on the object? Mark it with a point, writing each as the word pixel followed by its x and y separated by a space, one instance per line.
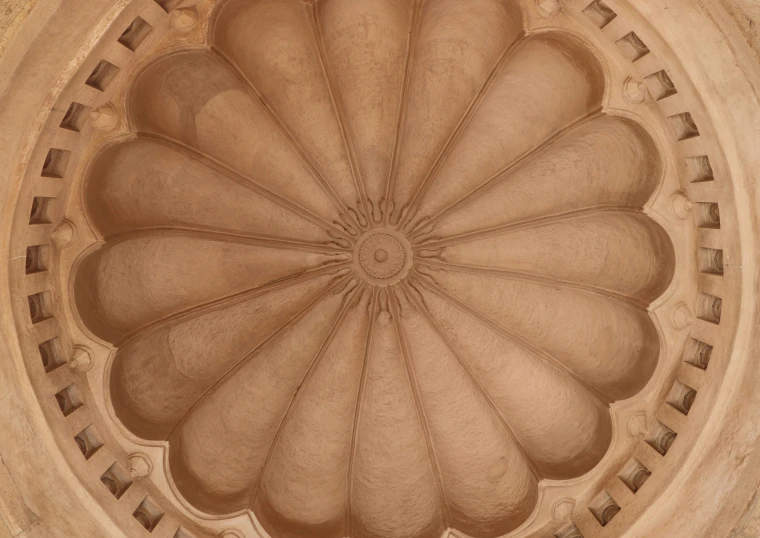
pixel 102 76
pixel 137 32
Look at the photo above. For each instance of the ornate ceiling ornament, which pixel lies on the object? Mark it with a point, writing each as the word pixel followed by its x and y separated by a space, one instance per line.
pixel 382 269
pixel 384 256
pixel 479 181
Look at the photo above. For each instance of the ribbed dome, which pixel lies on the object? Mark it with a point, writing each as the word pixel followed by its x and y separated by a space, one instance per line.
pixel 375 268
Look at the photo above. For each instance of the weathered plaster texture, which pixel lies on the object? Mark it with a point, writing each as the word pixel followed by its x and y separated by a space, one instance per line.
pixel 13 14
pixel 746 13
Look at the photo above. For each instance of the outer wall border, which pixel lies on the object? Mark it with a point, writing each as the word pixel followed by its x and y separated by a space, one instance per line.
pixel 38 491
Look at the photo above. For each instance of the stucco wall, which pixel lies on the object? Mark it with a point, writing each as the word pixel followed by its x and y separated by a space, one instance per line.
pixel 13 13
pixel 34 490
pixel 17 518
pixel 746 13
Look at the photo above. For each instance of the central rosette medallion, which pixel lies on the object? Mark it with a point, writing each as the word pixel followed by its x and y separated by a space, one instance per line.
pixel 383 256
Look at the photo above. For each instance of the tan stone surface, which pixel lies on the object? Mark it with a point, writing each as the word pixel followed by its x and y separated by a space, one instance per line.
pixel 749 525
pixel 386 269
pixel 507 229
pixel 13 14
pixel 35 481
pixel 746 13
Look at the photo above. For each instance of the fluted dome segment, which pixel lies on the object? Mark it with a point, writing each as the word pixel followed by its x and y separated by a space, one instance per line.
pixel 375 268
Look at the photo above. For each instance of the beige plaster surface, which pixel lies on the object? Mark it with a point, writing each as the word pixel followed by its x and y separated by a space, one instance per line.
pixel 746 14
pixel 13 14
pixel 749 524
pixel 397 260
pixel 29 69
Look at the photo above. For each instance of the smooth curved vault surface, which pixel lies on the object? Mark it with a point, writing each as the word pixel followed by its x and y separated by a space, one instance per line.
pixel 375 270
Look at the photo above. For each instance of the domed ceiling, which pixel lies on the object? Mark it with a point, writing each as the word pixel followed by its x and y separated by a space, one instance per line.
pixel 378 269
pixel 375 268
